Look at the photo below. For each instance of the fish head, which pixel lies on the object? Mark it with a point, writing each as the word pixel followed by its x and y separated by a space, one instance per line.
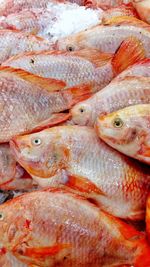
pixel 39 153
pixel 82 114
pixel 71 43
pixel 119 130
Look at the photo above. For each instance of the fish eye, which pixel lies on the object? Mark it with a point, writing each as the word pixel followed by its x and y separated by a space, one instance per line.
pixel 1 216
pixel 36 141
pixel 81 110
pixel 70 48
pixel 117 123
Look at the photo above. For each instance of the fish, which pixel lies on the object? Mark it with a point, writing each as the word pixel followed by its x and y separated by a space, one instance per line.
pixel 29 20
pixel 11 173
pixel 123 10
pixel 75 157
pixel 127 130
pixel 107 38
pixel 109 4
pixel 31 103
pixel 143 9
pixel 15 41
pixel 97 68
pixel 120 93
pixel 53 226
pixel 8 260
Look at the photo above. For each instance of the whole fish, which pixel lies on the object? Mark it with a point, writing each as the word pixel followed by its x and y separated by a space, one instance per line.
pixel 97 68
pixel 127 130
pixel 11 173
pixel 120 93
pixel 57 228
pixel 29 103
pixel 13 42
pixel 74 156
pixel 29 20
pixel 108 38
pixel 143 9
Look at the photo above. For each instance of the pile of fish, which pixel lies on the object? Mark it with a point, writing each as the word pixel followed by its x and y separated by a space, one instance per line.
pixel 74 133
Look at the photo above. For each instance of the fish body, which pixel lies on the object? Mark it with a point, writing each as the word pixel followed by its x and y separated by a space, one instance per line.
pixel 119 11
pixel 55 227
pixel 28 103
pixel 80 67
pixel 74 156
pixel 108 38
pixel 28 20
pixel 127 130
pixel 13 42
pixel 85 66
pixel 120 93
pixel 143 9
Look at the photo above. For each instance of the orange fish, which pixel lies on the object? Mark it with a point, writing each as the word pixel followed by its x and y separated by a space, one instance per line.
pixel 120 93
pixel 108 38
pixel 74 156
pixel 54 227
pixel 127 130
pixel 97 68
pixel 29 103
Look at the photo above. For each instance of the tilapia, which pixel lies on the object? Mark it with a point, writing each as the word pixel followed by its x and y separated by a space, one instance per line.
pixel 13 42
pixel 127 130
pixel 57 228
pixel 108 38
pixel 29 103
pixel 83 66
pixel 74 156
pixel 120 93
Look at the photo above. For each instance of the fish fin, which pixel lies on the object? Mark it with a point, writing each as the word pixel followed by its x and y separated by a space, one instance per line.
pixel 78 93
pixel 130 51
pixel 46 83
pixel 144 151
pixel 82 184
pixel 94 55
pixel 53 120
pixel 126 20
pixel 45 251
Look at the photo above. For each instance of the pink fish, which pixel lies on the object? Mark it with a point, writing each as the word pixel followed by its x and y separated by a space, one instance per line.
pixel 57 228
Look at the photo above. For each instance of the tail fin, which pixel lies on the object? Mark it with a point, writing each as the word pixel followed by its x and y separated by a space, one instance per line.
pixel 77 94
pixel 130 52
